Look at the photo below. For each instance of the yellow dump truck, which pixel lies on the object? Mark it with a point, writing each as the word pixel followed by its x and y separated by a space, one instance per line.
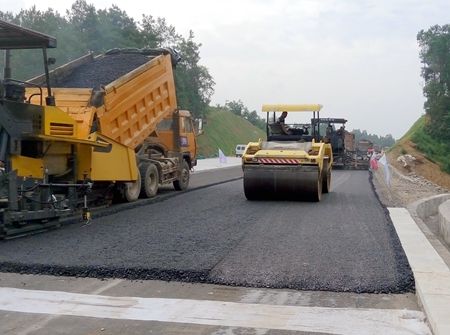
pixel 293 163
pixel 92 130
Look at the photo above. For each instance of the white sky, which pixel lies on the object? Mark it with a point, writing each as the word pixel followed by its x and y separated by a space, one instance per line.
pixel 359 58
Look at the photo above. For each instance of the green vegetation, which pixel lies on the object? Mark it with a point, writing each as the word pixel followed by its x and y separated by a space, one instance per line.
pixel 224 130
pixel 238 108
pixel 431 133
pixel 435 56
pixel 434 149
pixel 85 28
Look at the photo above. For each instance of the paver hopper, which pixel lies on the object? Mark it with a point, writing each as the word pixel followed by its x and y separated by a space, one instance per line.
pixel 292 163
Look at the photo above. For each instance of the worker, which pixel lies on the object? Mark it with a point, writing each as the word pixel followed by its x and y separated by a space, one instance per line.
pixel 341 137
pixel 281 121
pixel 282 117
pixel 329 130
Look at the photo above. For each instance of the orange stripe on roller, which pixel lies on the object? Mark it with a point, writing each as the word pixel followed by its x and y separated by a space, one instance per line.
pixel 278 161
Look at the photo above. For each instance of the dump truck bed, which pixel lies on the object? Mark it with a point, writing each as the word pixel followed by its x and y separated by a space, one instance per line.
pixel 126 94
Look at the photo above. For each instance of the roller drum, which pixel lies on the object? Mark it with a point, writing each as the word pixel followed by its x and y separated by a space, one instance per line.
pixel 282 182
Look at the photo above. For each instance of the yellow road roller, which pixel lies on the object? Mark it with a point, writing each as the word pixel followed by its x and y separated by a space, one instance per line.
pixel 294 163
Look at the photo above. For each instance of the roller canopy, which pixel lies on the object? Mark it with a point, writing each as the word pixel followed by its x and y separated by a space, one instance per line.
pixel 292 108
pixel 16 37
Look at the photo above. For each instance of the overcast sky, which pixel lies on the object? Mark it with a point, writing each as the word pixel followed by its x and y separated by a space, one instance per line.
pixel 358 58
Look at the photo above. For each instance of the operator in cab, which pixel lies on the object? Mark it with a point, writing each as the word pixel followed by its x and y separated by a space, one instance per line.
pixel 281 121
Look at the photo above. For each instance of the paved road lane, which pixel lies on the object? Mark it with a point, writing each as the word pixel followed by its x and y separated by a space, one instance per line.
pixel 213 234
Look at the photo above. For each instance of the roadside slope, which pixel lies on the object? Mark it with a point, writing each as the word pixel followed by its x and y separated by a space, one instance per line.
pixel 430 155
pixel 225 130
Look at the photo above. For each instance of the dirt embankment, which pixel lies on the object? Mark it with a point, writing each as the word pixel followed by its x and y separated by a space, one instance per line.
pixel 410 179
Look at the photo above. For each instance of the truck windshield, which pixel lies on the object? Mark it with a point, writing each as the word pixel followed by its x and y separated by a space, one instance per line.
pixel 165 125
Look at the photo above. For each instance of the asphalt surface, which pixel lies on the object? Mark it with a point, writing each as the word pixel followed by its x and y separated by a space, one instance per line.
pixel 213 234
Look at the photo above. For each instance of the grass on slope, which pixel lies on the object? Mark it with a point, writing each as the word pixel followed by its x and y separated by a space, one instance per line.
pixel 432 156
pixel 436 151
pixel 225 130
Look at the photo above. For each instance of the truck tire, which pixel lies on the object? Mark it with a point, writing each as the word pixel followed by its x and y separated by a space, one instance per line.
pixel 183 183
pixel 149 180
pixel 132 190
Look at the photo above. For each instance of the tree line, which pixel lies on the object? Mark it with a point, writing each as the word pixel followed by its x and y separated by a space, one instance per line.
pixel 85 28
pixel 434 46
pixel 237 107
pixel 381 141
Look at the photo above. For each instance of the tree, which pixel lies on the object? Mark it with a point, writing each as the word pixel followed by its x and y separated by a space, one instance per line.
pixel 84 29
pixel 236 107
pixel 195 85
pixel 48 22
pixel 117 29
pixel 382 141
pixel 435 56
pixel 84 19
pixel 149 32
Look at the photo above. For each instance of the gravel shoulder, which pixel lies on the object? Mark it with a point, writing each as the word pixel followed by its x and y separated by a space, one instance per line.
pixel 406 185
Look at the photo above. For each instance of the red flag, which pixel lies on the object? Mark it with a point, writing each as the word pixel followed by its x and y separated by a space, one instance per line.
pixel 373 162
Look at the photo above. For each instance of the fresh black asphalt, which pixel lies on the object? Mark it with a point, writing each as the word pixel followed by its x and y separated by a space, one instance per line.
pixel 214 235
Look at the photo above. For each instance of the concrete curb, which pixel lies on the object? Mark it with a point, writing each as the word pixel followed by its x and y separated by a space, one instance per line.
pixel 431 273
pixel 434 205
pixel 427 207
pixel 444 221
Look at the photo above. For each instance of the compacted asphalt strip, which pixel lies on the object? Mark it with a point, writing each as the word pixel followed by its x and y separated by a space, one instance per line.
pixel 214 235
pixel 202 179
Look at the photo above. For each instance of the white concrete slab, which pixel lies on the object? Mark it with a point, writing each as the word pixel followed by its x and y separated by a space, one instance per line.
pixel 438 282
pixel 350 321
pixel 432 276
pixel 215 163
pixel 421 255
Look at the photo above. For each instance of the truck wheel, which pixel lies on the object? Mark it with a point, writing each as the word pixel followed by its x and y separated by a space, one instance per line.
pixel 132 189
pixel 183 183
pixel 149 180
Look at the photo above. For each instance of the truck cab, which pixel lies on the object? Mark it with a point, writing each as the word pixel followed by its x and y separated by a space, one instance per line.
pixel 167 131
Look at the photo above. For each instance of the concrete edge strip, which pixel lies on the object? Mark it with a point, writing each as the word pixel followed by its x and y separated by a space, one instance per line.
pixel 216 168
pixel 348 321
pixel 431 274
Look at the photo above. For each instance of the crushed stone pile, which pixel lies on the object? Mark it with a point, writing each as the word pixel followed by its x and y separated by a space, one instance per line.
pixel 101 71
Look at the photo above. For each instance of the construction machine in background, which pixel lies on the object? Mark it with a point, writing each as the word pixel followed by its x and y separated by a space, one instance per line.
pixel 292 164
pixel 347 153
pixel 91 131
pixel 333 130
